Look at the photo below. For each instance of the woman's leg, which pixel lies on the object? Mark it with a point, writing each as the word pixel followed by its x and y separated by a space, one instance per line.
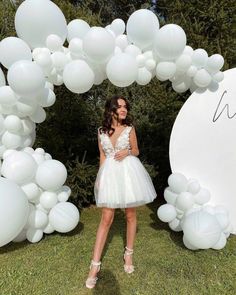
pixel 131 231
pixel 103 229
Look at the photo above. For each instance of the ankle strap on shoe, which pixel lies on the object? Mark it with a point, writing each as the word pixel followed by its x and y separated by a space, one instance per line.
pixel 129 251
pixel 95 263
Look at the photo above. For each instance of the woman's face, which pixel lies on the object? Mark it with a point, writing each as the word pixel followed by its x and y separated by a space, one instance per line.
pixel 122 109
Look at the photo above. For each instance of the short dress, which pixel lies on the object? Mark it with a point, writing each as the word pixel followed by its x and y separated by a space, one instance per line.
pixel 125 183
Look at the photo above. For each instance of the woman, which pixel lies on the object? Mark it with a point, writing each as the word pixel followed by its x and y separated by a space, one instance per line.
pixel 122 181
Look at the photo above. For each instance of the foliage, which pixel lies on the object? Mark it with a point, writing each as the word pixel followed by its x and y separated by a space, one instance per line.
pixel 71 125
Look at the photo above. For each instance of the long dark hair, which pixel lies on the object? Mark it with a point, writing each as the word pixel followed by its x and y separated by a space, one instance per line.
pixel 112 105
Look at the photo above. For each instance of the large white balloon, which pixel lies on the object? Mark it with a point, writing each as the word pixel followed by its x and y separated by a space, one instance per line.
pixel 14 210
pixel 98 44
pixel 35 20
pixel 19 167
pixel 201 229
pixel 64 217
pixel 13 49
pixel 51 175
pixel 26 78
pixel 170 41
pixel 122 70
pixel 77 28
pixel 142 27
pixel 78 76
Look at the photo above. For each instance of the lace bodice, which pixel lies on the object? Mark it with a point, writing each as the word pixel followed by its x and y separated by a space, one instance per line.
pixel 122 142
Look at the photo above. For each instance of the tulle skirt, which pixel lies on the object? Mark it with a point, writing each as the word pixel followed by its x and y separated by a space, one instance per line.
pixel 123 184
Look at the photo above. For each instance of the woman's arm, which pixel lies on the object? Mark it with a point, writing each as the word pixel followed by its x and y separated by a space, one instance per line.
pixel 134 151
pixel 102 154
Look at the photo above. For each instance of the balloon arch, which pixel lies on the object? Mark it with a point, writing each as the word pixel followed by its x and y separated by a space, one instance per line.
pixel 33 198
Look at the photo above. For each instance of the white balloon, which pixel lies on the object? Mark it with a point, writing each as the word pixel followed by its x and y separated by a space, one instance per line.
pixel 142 27
pixel 193 186
pixel 183 62
pixel 48 229
pixel 54 43
pixel 26 78
pixel 218 77
pixel 150 64
pixel 188 50
pixel 26 107
pixel 132 50
pixel 19 167
pixel 44 60
pixel 122 70
pixel 215 63
pixel 177 182
pixel 184 201
pixel 47 98
pixel 7 96
pixel 191 71
pixel 13 124
pixel 140 59
pixel 199 58
pixel 202 78
pixel 201 229
pixel 59 60
pixel 39 115
pixel 165 70
pixel 181 84
pixel 122 41
pixel 76 47
pixel 188 245
pixel 118 26
pixel 78 76
pixel 11 140
pixel 48 199
pixel 175 225
pixel 221 242
pixel 98 44
pixel 13 49
pixel 77 28
pixel 170 41
pixel 51 175
pixel 166 213
pixel 144 76
pixel 34 235
pixel 14 210
pixel 38 219
pixel 2 78
pixel 202 197
pixel 35 20
pixel 170 196
pixel 64 217
pixel 31 190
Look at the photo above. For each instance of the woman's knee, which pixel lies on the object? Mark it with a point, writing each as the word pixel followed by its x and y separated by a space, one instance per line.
pixel 130 214
pixel 107 216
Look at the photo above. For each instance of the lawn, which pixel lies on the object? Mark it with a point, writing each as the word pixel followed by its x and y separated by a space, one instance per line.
pixel 58 265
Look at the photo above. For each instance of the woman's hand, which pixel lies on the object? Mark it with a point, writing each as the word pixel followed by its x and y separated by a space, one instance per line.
pixel 121 154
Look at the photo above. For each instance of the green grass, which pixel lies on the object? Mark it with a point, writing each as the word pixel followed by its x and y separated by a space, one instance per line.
pixel 58 265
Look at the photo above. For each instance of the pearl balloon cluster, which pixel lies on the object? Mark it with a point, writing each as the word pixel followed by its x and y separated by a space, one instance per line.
pixel 204 226
pixel 42 181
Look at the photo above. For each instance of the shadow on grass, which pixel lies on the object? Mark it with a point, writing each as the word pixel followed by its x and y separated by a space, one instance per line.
pixel 157 224
pixel 117 228
pixel 107 284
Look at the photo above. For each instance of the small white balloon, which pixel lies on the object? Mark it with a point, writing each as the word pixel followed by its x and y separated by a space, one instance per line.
pixel 215 63
pixel 25 78
pixel 11 140
pixel 48 229
pixel 118 26
pixel 13 124
pixel 202 78
pixel 39 115
pixel 77 28
pixel 51 175
pixel 202 197
pixel 122 41
pixel 165 70
pixel 170 41
pixel 175 225
pixel 218 77
pixel 31 190
pixel 199 58
pixel 7 96
pixel 64 217
pixel 37 219
pixel 166 213
pixel 19 167
pixel 48 199
pixel 183 63
pixel 184 201
pixel 76 47
pixel 170 196
pixel 193 186
pixel 54 43
pixel 34 235
pixel 122 70
pixel 177 182
pixel 13 49
pixel 132 50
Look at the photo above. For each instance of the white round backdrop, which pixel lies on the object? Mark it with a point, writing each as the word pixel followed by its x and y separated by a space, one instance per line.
pixel 203 142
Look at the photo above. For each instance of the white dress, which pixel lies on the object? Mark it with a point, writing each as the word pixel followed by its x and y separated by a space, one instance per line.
pixel 125 183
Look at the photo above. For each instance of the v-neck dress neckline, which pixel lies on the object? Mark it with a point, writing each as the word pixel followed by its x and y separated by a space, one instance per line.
pixel 117 138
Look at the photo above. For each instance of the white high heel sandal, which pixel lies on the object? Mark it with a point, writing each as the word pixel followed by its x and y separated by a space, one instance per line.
pixel 128 268
pixel 91 281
